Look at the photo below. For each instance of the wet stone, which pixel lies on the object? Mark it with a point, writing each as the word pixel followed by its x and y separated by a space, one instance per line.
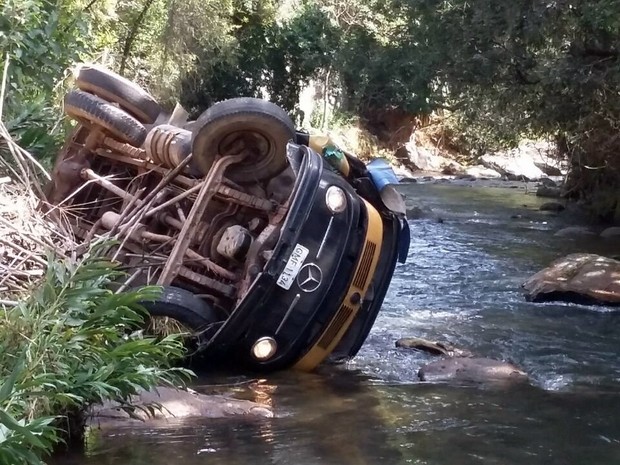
pixel 552 207
pixel 166 403
pixel 433 348
pixel 578 278
pixel 611 232
pixel 574 231
pixel 472 370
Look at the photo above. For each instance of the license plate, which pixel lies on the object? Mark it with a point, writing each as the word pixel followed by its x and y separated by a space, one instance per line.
pixel 294 264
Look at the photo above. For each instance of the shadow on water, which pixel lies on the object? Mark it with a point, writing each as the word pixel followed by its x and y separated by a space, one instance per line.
pixel 461 284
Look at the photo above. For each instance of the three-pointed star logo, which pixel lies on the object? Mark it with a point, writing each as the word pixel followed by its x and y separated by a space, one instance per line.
pixel 309 277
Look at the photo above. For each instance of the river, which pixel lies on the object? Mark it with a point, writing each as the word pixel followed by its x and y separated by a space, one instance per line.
pixel 460 284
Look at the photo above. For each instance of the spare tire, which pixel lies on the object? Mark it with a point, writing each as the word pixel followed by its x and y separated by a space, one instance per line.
pixel 182 306
pixel 256 124
pixel 115 88
pixel 83 106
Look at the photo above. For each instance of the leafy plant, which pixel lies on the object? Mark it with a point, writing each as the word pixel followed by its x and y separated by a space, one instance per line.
pixel 71 344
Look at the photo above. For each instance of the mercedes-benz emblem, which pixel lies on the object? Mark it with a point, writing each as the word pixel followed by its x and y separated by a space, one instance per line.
pixel 309 277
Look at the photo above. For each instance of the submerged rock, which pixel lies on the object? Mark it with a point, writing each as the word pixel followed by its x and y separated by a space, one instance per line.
pixel 416 212
pixel 166 403
pixel 611 232
pixel 473 370
pixel 575 231
pixel 578 278
pixel 434 348
pixel 552 207
pixel 550 192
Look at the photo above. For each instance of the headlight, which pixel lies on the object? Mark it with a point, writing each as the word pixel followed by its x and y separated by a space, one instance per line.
pixel 336 199
pixel 264 348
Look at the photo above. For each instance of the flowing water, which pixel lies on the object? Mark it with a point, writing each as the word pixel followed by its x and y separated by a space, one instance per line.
pixel 461 284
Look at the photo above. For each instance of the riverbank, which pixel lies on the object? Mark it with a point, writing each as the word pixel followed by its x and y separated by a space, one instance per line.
pixel 66 340
pixel 68 345
pixel 432 154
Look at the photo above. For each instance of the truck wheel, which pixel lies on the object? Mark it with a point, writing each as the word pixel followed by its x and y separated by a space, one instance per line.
pixel 115 88
pixel 184 307
pixel 254 124
pixel 84 106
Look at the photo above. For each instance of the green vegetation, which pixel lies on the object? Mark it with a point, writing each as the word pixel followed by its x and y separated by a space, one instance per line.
pixel 502 70
pixel 71 344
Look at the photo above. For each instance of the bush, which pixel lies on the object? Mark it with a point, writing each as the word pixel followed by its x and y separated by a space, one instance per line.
pixel 71 344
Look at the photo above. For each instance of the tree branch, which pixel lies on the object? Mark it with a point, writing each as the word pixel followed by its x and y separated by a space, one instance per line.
pixel 133 33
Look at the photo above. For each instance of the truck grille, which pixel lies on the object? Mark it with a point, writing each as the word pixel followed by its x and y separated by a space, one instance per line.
pixel 344 312
pixel 365 263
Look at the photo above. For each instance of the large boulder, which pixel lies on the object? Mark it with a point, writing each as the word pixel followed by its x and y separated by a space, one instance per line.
pixel 403 174
pixel 481 172
pixel 416 157
pixel 530 161
pixel 579 278
pixel 546 182
pixel 511 167
pixel 471 370
pixel 166 403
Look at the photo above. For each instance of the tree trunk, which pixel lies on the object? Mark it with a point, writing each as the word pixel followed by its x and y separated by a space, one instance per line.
pixel 133 33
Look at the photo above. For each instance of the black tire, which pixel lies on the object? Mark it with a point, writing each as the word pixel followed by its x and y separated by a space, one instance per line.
pixel 88 107
pixel 115 88
pixel 257 123
pixel 184 307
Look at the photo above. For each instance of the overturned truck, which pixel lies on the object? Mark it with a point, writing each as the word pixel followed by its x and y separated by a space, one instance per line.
pixel 273 247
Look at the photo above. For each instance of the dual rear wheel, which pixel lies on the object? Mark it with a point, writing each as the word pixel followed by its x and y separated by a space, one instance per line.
pixel 123 110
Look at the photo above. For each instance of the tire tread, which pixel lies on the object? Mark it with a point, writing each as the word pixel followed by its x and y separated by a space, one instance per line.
pixel 84 106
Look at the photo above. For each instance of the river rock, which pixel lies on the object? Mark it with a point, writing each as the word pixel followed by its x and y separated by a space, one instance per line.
pixel 517 164
pixel 546 182
pixel 416 212
pixel 433 348
pixel 418 158
pixel 550 192
pixel 481 172
pixel 472 370
pixel 578 278
pixel 573 231
pixel 552 207
pixel 611 232
pixel 513 169
pixel 549 168
pixel 451 169
pixel 402 173
pixel 165 403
